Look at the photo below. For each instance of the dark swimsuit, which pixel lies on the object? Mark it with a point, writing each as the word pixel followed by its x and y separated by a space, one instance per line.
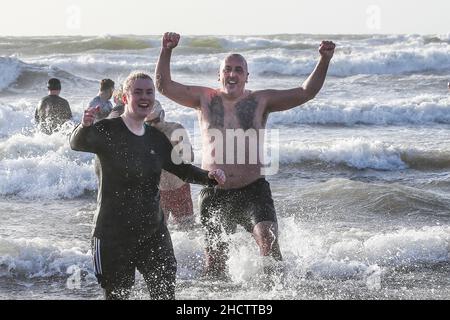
pixel 222 210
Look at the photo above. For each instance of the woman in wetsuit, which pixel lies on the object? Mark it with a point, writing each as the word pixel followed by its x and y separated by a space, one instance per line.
pixel 130 232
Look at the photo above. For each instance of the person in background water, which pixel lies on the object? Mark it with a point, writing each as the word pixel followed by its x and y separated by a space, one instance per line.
pixel 102 99
pixel 52 111
pixel 119 107
pixel 130 232
pixel 176 199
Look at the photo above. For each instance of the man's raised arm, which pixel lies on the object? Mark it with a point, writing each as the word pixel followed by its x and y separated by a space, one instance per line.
pixel 188 96
pixel 280 100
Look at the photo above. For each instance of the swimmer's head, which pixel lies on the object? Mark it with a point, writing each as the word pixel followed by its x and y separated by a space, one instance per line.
pixel 139 94
pixel 54 85
pixel 233 74
pixel 107 87
pixel 157 116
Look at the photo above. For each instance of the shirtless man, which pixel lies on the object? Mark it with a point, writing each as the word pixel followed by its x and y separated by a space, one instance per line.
pixel 245 198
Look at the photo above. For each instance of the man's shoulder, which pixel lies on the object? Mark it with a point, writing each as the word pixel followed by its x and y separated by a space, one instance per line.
pixel 212 93
pixel 45 99
pixel 95 101
pixel 62 100
pixel 52 100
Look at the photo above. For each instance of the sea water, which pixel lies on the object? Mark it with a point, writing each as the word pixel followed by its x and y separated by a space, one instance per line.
pixel 362 192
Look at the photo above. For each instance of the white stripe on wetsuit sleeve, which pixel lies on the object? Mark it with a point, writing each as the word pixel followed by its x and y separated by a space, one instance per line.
pixel 94 256
pixel 97 257
pixel 94 251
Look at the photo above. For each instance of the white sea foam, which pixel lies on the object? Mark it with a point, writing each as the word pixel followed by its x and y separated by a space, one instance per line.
pixel 393 61
pixel 11 68
pixel 47 177
pixel 401 248
pixel 356 152
pixel 14 119
pixel 352 253
pixel 299 63
pixel 265 57
pixel 422 109
pixel 408 247
pixel 364 153
pixel 31 258
pixel 41 166
pixel 97 64
pixel 379 225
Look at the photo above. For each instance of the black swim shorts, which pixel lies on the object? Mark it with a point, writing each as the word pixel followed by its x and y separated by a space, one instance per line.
pixel 246 206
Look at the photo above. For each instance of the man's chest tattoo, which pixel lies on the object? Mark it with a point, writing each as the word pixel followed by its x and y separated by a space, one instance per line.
pixel 245 111
pixel 216 112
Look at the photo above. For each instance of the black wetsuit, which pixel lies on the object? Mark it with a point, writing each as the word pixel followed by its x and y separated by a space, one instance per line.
pixel 130 231
pixel 51 113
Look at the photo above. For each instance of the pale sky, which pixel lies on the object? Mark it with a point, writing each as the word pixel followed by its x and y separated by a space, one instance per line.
pixel 224 17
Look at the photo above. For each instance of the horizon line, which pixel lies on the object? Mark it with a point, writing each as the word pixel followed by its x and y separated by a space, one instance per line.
pixel 221 34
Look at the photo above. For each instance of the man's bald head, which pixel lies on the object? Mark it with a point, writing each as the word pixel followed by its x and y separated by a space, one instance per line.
pixel 233 75
pixel 234 56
